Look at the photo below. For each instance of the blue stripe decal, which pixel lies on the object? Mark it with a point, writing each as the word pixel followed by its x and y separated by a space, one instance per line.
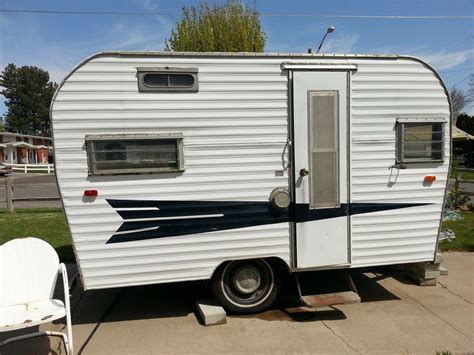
pixel 160 219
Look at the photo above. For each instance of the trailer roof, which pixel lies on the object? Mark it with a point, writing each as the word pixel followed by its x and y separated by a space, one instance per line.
pixel 249 54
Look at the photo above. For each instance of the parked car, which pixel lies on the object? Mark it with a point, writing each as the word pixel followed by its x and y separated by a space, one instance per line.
pixel 5 169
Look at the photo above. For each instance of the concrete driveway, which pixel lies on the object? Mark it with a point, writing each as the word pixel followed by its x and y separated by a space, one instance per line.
pixel 395 316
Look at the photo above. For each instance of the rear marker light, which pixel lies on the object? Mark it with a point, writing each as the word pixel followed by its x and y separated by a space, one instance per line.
pixel 430 178
pixel 90 193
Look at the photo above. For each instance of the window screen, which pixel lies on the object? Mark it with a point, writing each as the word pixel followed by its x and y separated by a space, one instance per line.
pixel 420 141
pixel 167 79
pixel 111 155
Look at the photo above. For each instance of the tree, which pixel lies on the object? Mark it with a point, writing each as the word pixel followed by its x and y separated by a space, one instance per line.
pixel 458 101
pixel 470 92
pixel 28 94
pixel 231 27
pixel 466 123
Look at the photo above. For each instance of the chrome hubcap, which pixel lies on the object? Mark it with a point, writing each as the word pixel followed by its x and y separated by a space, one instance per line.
pixel 247 279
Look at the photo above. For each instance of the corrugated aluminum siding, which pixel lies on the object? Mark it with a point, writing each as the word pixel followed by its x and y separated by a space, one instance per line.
pixel 235 131
pixel 381 92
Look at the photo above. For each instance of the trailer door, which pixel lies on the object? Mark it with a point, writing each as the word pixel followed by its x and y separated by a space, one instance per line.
pixel 320 104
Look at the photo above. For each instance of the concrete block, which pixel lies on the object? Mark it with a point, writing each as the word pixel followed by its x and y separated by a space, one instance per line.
pixel 210 312
pixel 424 270
pixel 443 270
pixel 423 275
pixel 421 281
pixel 427 282
pixel 439 258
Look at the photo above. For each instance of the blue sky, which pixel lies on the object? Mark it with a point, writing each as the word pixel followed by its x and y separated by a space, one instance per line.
pixel 58 42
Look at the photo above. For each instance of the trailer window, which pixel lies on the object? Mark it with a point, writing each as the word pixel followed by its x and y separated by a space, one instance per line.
pixel 167 79
pixel 420 141
pixel 112 155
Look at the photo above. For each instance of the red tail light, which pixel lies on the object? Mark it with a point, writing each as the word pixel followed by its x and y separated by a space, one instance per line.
pixel 90 193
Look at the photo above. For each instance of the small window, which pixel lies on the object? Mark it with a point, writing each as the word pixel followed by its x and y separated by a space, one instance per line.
pixel 167 79
pixel 420 141
pixel 134 154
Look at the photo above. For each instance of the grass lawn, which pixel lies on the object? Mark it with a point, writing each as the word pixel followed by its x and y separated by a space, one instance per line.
pixel 465 175
pixel 464 230
pixel 44 223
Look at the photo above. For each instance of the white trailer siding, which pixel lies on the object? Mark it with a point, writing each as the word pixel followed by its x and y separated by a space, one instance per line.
pixel 235 134
pixel 383 91
pixel 235 131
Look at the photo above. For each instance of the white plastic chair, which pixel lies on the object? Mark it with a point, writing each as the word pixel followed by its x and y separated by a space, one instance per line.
pixel 29 268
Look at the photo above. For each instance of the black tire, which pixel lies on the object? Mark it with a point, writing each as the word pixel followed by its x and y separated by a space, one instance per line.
pixel 245 286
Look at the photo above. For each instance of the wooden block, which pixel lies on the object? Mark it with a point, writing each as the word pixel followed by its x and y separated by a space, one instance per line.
pixel 330 299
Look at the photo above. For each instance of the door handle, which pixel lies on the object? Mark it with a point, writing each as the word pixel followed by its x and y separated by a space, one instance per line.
pixel 304 172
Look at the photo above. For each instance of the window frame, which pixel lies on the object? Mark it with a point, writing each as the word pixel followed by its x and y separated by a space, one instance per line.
pixel 143 71
pixel 93 171
pixel 400 130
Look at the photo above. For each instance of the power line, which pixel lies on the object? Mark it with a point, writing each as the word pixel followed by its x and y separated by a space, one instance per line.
pixel 461 81
pixel 457 70
pixel 373 17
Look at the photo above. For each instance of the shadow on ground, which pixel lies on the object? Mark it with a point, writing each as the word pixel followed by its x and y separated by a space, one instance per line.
pixel 178 299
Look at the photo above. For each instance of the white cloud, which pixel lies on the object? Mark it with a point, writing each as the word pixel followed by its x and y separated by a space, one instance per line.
pixel 439 59
pixel 442 60
pixel 340 44
pixel 59 55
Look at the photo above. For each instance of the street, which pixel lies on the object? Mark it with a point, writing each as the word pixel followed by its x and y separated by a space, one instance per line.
pixel 32 186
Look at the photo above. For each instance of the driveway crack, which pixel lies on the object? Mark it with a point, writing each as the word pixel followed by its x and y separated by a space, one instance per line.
pixel 337 335
pixel 453 293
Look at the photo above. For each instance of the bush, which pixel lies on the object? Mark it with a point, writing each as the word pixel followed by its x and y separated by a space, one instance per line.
pixel 456 199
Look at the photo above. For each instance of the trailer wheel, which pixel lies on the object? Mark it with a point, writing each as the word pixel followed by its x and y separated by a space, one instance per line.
pixel 247 286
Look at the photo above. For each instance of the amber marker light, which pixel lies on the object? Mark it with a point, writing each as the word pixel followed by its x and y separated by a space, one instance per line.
pixel 429 179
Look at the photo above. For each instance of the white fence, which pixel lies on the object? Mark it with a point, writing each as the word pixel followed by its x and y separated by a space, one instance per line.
pixel 32 168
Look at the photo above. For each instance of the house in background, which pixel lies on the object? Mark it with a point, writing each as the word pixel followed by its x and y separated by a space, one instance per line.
pixel 16 148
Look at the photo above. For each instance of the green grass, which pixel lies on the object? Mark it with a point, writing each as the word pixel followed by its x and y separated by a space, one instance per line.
pixel 464 230
pixel 466 175
pixel 48 224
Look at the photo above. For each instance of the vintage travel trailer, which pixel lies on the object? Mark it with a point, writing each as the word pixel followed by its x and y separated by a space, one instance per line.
pixel 235 167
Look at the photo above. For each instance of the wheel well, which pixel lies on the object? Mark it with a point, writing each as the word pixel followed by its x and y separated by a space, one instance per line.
pixel 277 263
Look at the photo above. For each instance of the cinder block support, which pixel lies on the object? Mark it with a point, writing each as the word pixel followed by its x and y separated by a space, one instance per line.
pixel 424 274
pixel 443 270
pixel 210 313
